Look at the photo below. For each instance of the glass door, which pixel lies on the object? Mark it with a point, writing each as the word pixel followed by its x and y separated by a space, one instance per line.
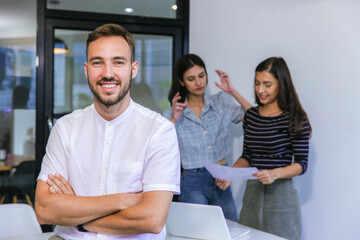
pixel 62 86
pixel 150 87
pixel 161 31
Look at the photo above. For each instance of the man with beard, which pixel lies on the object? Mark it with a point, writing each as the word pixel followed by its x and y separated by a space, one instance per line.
pixel 111 169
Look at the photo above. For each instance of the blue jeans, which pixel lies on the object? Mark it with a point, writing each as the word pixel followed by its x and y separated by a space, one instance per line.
pixel 198 186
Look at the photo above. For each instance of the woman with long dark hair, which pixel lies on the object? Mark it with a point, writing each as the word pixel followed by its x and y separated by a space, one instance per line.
pixel 276 141
pixel 203 128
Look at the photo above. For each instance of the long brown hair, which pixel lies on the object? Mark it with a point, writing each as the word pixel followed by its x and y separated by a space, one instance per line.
pixel 182 65
pixel 287 98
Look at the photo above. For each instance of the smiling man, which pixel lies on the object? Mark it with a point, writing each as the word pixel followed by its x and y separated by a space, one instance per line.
pixel 111 169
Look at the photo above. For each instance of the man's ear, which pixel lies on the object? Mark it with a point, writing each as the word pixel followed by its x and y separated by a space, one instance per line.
pixel 134 69
pixel 85 70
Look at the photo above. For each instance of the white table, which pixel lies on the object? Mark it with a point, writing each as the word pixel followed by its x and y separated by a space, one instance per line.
pixel 253 235
pixel 40 236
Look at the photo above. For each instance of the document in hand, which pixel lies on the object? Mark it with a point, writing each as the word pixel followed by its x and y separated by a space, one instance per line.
pixel 230 173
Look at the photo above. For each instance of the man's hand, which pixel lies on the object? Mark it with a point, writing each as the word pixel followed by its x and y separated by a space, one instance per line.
pixel 58 184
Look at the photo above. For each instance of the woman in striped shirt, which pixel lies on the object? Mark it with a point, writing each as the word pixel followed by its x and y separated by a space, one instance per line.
pixel 276 141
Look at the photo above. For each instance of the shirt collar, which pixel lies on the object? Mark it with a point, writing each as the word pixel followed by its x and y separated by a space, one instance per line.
pixel 207 105
pixel 191 115
pixel 119 118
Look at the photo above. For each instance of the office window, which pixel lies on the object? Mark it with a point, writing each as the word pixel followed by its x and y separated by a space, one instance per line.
pixel 17 95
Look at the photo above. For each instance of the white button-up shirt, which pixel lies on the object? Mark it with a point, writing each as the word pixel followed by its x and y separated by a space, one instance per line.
pixel 136 152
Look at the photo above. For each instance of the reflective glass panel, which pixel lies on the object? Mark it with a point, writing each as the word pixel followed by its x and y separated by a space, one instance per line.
pixel 153 8
pixel 17 99
pixel 150 87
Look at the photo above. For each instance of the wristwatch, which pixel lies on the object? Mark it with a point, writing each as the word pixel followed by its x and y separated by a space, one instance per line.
pixel 81 228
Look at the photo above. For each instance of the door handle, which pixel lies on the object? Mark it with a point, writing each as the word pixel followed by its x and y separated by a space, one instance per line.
pixel 49 123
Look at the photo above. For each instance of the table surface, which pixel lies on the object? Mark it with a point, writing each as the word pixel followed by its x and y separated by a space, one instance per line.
pixel 5 167
pixel 14 160
pixel 253 235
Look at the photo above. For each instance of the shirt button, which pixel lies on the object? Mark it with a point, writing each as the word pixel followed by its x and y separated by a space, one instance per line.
pixel 209 147
pixel 108 143
pixel 205 132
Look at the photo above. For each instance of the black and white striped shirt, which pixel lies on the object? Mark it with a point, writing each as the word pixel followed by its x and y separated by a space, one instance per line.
pixel 268 143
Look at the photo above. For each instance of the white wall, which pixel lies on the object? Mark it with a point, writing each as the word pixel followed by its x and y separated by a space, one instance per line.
pixel 320 40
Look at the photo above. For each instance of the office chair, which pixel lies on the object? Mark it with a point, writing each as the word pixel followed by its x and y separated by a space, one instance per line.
pixel 4 178
pixel 22 183
pixel 18 219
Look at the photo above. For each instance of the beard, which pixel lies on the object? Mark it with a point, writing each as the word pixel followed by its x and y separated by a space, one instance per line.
pixel 111 101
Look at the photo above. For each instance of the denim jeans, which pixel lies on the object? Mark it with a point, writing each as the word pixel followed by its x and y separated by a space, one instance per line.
pixel 198 186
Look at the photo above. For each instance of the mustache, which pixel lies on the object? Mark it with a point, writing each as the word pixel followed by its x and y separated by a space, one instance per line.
pixel 108 79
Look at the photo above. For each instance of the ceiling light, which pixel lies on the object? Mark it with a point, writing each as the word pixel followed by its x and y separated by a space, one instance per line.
pixel 128 10
pixel 174 7
pixel 60 46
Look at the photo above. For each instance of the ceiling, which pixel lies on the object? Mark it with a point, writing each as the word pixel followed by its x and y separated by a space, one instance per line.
pixel 18 18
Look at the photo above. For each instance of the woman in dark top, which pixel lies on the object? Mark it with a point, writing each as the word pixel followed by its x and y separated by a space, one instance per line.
pixel 276 141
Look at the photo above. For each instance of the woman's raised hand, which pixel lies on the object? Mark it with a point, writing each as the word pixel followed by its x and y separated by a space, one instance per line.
pixel 225 84
pixel 177 108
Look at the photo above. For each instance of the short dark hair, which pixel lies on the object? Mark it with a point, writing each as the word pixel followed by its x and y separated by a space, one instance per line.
pixel 112 30
pixel 182 65
pixel 287 98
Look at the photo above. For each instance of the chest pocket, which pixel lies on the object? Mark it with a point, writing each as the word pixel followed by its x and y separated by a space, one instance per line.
pixel 128 177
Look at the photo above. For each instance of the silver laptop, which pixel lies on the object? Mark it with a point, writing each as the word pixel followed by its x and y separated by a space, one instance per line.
pixel 201 222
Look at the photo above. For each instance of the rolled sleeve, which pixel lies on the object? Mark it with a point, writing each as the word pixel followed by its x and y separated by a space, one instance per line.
pixel 56 154
pixel 162 166
pixel 231 107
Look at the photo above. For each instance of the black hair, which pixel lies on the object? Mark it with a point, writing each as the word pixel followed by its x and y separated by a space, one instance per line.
pixel 287 98
pixel 182 65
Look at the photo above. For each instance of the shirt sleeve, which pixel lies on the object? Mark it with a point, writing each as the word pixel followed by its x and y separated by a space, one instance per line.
pixel 230 106
pixel 55 157
pixel 162 164
pixel 167 114
pixel 246 154
pixel 300 146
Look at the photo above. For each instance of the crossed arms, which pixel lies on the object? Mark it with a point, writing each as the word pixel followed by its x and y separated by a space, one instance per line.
pixel 114 214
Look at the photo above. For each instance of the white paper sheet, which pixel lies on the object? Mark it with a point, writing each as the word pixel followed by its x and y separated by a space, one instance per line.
pixel 230 173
